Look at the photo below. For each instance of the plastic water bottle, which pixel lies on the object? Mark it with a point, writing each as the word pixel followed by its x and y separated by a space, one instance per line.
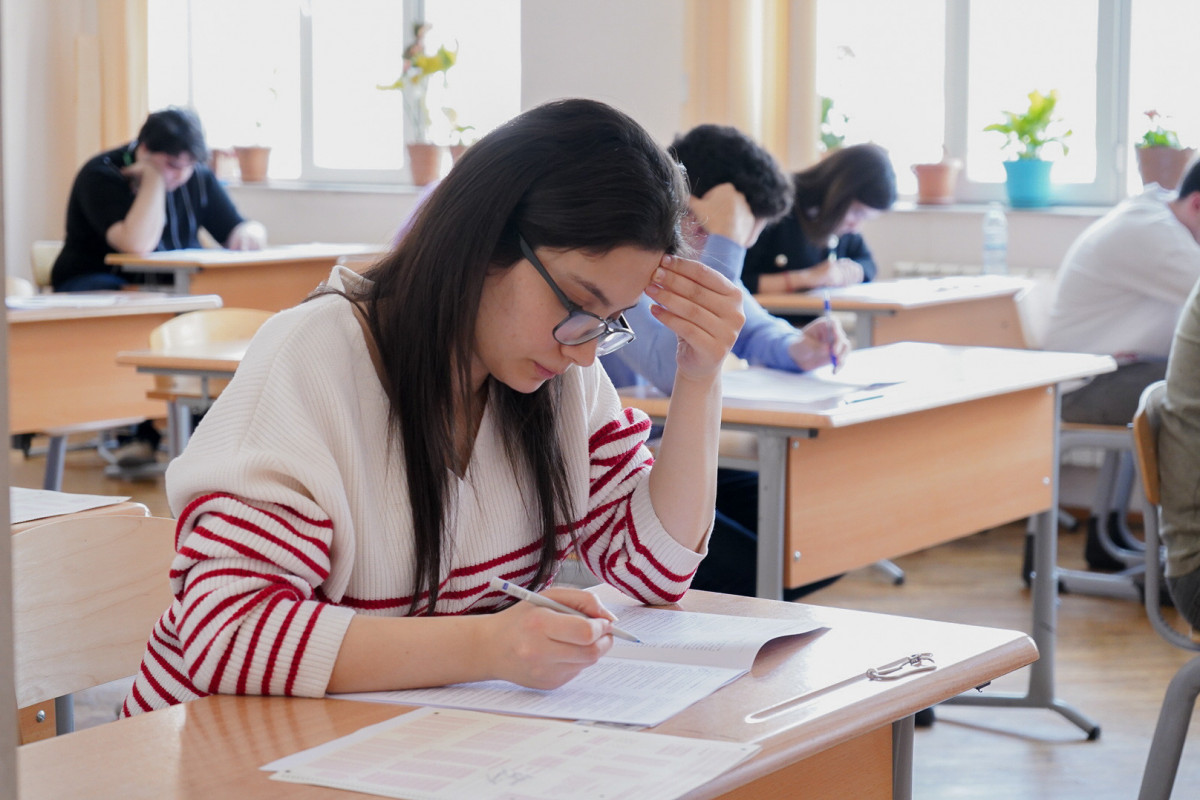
pixel 995 241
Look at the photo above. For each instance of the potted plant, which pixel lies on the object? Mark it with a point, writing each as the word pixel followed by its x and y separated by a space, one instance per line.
pixel 832 126
pixel 418 68
pixel 1028 176
pixel 254 158
pixel 1161 159
pixel 936 181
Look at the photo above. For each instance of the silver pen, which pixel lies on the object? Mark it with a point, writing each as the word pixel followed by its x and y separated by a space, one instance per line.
pixel 521 593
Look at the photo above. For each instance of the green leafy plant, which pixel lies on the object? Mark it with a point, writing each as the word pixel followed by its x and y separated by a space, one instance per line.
pixel 831 123
pixel 1030 128
pixel 1158 136
pixel 419 67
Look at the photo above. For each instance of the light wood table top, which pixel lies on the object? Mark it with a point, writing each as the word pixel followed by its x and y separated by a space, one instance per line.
pixel 962 310
pixel 272 279
pixel 216 359
pixel 825 729
pixel 122 509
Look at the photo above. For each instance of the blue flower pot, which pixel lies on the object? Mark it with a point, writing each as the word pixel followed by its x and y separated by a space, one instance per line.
pixel 1028 182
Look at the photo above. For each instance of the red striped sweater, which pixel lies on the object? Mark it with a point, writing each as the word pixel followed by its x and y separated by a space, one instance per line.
pixel 294 515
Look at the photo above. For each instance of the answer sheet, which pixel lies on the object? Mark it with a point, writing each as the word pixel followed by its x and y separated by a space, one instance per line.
pixel 683 657
pixel 447 754
pixel 30 504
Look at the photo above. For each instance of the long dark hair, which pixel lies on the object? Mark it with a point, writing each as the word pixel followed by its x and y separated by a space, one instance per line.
pixel 572 174
pixel 825 191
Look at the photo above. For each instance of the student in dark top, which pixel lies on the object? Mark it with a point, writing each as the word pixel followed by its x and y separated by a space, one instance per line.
pixel 818 244
pixel 154 193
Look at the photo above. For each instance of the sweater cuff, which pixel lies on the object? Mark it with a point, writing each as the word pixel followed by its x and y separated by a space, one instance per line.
pixel 321 651
pixel 673 556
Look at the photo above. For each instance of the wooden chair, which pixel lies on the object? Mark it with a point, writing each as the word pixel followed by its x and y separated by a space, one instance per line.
pixel 86 593
pixel 1162 763
pixel 43 254
pixel 185 394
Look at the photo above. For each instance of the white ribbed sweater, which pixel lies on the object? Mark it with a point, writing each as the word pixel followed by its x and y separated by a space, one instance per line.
pixel 294 515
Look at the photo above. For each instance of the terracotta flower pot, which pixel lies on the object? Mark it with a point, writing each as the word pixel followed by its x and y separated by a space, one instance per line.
pixel 252 161
pixel 936 182
pixel 424 162
pixel 1163 165
pixel 456 150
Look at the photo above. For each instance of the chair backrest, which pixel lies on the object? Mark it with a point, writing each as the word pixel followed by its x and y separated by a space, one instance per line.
pixel 208 325
pixel 44 253
pixel 18 287
pixel 1145 437
pixel 1146 424
pixel 86 594
pixel 203 327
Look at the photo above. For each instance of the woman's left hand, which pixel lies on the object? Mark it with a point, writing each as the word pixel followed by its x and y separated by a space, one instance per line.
pixel 702 307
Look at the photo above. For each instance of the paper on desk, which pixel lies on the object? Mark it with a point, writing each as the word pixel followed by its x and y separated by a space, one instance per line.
pixel 760 383
pixel 28 504
pixel 683 657
pixel 63 300
pixel 444 754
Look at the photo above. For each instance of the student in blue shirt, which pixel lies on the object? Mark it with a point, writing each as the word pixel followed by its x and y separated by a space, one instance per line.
pixel 737 190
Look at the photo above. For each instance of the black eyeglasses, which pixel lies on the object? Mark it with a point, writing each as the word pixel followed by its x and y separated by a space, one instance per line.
pixel 581 326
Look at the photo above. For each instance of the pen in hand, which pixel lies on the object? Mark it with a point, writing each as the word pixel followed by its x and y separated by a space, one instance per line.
pixel 831 327
pixel 521 593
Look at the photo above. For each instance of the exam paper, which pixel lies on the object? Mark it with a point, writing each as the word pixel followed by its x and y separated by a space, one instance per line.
pixel 761 383
pixel 683 657
pixel 29 504
pixel 444 754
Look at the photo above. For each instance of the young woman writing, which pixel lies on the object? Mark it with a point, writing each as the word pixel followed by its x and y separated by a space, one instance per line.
pixel 393 443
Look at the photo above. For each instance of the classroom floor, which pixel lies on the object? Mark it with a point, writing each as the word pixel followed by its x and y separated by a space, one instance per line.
pixel 1111 665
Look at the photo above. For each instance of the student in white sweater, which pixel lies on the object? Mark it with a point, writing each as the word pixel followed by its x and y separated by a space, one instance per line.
pixel 390 445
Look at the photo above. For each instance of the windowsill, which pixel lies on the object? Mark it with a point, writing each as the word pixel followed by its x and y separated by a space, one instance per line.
pixel 909 206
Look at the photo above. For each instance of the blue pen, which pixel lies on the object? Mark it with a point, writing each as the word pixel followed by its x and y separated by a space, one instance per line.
pixel 832 328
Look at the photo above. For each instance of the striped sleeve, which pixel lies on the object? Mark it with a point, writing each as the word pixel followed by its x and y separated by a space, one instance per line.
pixel 244 581
pixel 621 538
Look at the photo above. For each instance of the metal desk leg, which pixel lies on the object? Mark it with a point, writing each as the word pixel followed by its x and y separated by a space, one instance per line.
pixel 772 489
pixel 864 329
pixel 56 456
pixel 1040 693
pixel 902 758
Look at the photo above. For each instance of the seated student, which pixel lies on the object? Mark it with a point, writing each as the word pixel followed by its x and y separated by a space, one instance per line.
pixel 819 243
pixel 391 444
pixel 1119 292
pixel 737 189
pixel 1179 464
pixel 154 193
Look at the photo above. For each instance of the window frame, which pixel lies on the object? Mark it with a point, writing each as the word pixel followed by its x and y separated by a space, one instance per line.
pixel 1112 107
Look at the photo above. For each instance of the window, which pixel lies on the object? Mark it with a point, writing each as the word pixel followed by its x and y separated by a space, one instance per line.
pixel 302 76
pixel 939 71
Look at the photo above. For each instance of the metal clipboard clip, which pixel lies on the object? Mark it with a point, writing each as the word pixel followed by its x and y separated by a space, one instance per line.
pixel 902 667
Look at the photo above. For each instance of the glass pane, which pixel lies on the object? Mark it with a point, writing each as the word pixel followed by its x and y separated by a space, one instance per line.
pixel 1162 34
pixel 246 76
pixel 483 88
pixel 1016 47
pixel 863 67
pixel 357 46
pixel 167 82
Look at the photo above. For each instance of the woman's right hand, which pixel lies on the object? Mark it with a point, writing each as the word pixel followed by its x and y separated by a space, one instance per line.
pixel 542 648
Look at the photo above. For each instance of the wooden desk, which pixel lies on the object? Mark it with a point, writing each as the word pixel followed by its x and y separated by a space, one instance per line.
pixel 969 442
pixel 127 508
pixel 60 360
pixel 273 279
pixel 832 744
pixel 966 310
pixel 213 360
